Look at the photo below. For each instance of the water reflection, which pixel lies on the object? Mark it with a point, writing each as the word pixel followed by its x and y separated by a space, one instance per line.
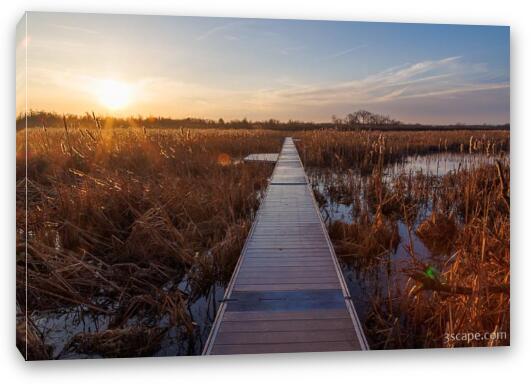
pixel 440 164
pixel 58 327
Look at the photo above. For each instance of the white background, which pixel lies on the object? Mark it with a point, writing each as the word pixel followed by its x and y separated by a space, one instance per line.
pixel 433 366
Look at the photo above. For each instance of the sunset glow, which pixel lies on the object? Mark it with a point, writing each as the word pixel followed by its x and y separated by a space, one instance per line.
pixel 114 94
pixel 260 69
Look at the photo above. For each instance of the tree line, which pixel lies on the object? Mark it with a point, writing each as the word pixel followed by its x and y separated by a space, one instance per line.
pixel 361 120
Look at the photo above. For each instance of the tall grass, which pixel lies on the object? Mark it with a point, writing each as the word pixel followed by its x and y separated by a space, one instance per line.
pixel 464 287
pixel 366 150
pixel 121 221
pixel 136 225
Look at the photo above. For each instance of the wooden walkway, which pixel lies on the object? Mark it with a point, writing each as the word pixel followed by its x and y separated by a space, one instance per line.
pixel 268 157
pixel 287 293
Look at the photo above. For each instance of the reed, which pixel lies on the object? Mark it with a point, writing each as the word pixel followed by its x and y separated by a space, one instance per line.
pixel 462 218
pixel 132 224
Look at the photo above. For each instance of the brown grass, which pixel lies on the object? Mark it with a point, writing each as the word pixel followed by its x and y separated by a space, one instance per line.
pixel 119 218
pixel 365 239
pixel 121 342
pixel 465 287
pixel 137 224
pixel 368 150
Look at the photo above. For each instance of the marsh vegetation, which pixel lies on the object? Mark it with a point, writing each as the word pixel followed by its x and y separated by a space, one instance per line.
pixel 133 233
pixel 421 223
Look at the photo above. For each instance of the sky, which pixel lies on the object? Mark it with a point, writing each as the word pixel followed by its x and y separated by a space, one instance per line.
pixel 261 68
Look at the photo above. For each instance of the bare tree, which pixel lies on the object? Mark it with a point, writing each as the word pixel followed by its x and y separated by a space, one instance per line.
pixel 363 120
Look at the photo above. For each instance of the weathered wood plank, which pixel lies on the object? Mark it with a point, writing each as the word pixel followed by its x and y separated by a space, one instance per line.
pixel 288 315
pixel 284 337
pixel 290 279
pixel 328 346
pixel 288 325
pixel 285 268
pixel 280 274
pixel 284 287
pixel 268 157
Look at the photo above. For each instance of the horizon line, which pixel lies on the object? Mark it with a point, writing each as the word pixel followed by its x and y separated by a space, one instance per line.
pixel 241 119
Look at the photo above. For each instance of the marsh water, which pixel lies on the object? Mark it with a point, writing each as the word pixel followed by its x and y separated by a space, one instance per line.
pixel 364 282
pixel 58 327
pixel 386 278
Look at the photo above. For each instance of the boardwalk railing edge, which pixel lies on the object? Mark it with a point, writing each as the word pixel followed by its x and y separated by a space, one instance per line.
pixel 364 345
pixel 221 310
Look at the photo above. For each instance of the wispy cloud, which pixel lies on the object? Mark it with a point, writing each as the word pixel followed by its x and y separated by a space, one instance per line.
pixel 290 50
pixel 426 80
pixel 430 78
pixel 344 52
pixel 431 81
pixel 218 29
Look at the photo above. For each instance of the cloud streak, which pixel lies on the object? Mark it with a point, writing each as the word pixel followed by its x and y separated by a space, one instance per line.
pixel 344 52
pixel 431 78
pixel 215 30
pixel 405 88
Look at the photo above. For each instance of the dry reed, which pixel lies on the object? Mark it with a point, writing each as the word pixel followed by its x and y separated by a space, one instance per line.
pixel 133 224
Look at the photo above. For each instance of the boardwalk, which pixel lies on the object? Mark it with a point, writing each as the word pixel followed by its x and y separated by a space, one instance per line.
pixel 269 157
pixel 287 293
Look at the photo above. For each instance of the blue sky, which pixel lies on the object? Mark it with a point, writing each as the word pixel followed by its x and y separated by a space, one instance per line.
pixel 259 68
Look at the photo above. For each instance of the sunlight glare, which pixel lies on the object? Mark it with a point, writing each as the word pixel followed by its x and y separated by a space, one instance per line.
pixel 114 94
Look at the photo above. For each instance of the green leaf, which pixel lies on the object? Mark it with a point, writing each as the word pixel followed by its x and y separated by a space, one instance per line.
pixel 431 272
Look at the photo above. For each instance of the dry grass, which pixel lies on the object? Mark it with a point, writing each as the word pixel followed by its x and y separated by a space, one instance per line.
pixel 472 291
pixel 121 342
pixel 438 233
pixel 368 150
pixel 465 286
pixel 365 241
pixel 119 219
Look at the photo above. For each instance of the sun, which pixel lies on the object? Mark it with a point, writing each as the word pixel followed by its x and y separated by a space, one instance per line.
pixel 114 94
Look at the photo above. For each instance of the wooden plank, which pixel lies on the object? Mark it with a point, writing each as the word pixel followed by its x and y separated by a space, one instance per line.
pixel 288 315
pixel 289 325
pixel 285 262
pixel 280 251
pixel 287 293
pixel 285 300
pixel 290 279
pixel 267 157
pixel 284 287
pixel 328 346
pixel 276 254
pixel 280 274
pixel 285 268
pixel 279 258
pixel 284 337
